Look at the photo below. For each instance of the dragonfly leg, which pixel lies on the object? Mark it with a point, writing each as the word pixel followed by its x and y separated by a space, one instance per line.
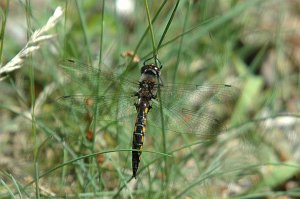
pixel 136 106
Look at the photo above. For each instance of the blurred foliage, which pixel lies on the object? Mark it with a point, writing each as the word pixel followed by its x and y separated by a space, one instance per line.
pixel 252 45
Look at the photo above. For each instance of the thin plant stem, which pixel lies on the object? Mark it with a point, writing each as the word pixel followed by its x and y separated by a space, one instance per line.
pixel 168 24
pixel 146 31
pixel 94 154
pixel 84 29
pixel 65 30
pixel 32 96
pixel 96 112
pixel 213 22
pixel 4 18
pixel 165 168
pixel 181 41
pixel 7 188
pixel 154 50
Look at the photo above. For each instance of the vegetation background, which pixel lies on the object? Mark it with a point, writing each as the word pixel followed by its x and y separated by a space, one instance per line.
pixel 47 150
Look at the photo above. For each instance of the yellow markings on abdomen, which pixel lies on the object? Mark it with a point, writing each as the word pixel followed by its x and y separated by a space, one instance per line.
pixel 143 138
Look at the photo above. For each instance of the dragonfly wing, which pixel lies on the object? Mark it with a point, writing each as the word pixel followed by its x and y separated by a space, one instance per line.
pixel 197 110
pixel 109 107
pixel 91 78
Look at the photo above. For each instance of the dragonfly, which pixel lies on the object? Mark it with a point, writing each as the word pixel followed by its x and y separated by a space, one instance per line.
pixel 184 108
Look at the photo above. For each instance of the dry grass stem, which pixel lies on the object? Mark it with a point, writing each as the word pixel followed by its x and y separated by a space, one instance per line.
pixel 32 45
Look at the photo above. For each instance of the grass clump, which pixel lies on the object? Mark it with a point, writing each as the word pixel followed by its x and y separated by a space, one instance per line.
pixel 234 141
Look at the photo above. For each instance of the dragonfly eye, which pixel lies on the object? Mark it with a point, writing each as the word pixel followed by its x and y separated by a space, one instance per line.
pixel 150 70
pixel 144 68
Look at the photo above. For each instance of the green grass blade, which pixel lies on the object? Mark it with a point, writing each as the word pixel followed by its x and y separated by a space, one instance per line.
pixel 168 24
pixel 146 31
pixel 3 26
pixel 32 95
pixel 17 186
pixel 181 41
pixel 7 188
pixel 216 21
pixel 84 29
pixel 154 50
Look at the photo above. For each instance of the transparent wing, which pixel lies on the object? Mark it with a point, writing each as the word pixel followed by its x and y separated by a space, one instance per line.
pixel 106 105
pixel 91 78
pixel 115 93
pixel 195 109
pixel 115 118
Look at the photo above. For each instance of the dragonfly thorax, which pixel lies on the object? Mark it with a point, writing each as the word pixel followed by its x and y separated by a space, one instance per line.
pixel 149 81
pixel 148 85
pixel 148 88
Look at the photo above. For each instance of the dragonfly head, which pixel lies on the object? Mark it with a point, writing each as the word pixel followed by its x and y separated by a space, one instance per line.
pixel 151 69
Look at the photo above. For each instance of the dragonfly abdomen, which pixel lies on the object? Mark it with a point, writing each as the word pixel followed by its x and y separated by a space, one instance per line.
pixel 138 134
